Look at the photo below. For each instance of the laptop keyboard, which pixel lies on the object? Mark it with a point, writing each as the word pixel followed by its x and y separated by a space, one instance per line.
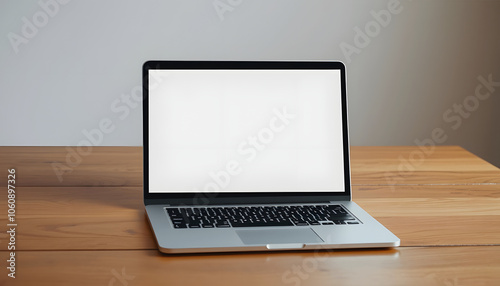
pixel 224 217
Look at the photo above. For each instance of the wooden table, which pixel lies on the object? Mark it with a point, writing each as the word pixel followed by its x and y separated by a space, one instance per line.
pixel 88 227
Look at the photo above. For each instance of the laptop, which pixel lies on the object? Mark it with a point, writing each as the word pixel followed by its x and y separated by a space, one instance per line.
pixel 250 156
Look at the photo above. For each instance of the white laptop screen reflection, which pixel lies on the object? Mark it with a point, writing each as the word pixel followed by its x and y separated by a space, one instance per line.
pixel 245 131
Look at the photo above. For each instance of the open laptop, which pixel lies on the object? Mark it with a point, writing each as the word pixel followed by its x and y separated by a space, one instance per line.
pixel 250 156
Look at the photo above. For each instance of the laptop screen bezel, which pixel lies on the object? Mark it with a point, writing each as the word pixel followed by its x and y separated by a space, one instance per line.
pixel 231 197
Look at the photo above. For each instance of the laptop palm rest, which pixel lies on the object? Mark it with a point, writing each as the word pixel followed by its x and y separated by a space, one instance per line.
pixel 279 238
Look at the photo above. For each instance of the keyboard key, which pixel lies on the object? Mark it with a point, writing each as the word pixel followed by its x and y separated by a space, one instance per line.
pixel 341 217
pixel 180 226
pixel 222 225
pixel 174 213
pixel 301 223
pixel 250 224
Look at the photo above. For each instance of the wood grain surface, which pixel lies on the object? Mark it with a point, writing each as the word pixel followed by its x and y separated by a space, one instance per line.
pixel 444 266
pixel 90 226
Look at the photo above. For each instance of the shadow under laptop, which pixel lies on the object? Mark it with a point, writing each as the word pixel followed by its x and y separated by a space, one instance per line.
pixel 318 253
pixel 281 267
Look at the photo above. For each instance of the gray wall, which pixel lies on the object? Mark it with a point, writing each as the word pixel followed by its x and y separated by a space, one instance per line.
pixel 80 61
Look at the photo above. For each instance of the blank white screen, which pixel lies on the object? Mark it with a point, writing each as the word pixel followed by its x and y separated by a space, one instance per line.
pixel 245 131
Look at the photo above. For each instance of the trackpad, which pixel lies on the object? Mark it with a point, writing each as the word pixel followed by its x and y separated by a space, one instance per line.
pixel 278 236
